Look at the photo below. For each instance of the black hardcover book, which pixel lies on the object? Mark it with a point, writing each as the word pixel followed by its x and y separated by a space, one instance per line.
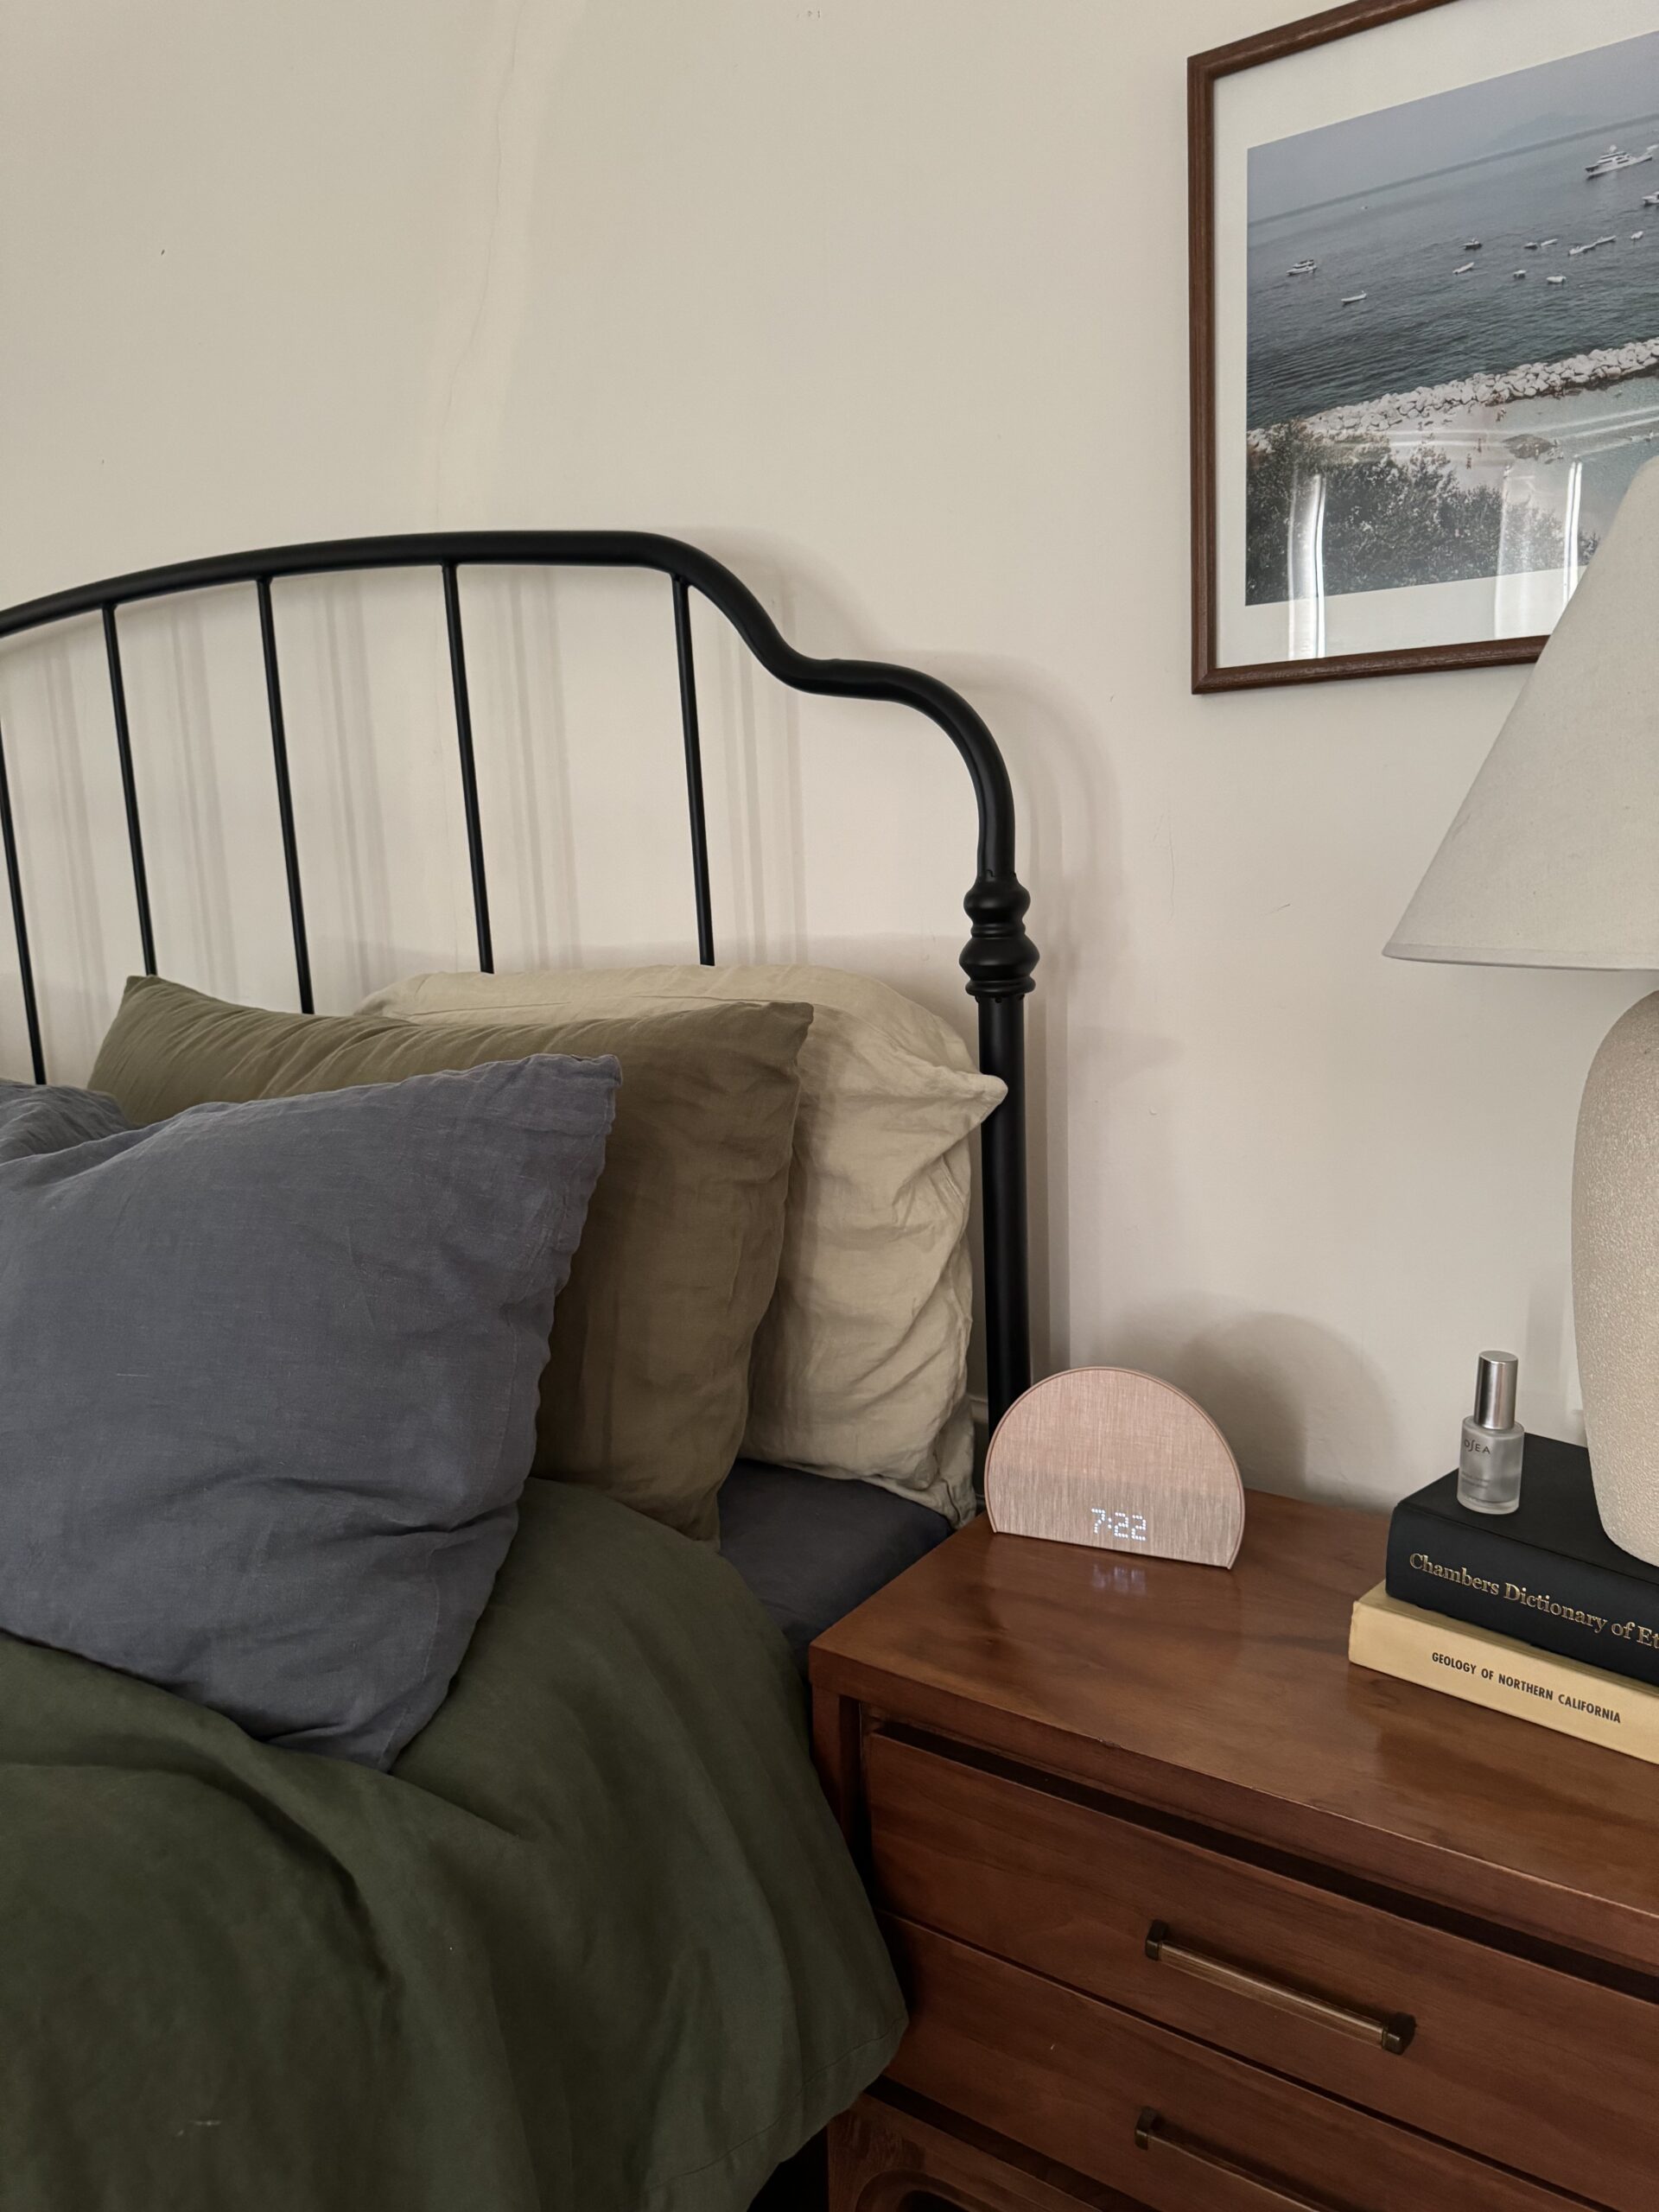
pixel 1546 1574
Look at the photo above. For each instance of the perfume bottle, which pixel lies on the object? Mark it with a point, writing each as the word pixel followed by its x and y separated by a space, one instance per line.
pixel 1488 1465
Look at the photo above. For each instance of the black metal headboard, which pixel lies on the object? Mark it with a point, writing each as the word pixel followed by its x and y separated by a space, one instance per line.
pixel 998 958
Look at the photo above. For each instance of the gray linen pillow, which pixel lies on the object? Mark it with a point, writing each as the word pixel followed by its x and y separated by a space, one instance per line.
pixel 268 1383
pixel 44 1117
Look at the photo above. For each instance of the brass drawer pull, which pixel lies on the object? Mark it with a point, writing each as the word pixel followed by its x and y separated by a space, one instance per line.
pixel 1151 2133
pixel 1388 2031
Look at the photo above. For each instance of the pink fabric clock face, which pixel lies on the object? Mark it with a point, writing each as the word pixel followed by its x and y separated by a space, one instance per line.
pixel 1122 1461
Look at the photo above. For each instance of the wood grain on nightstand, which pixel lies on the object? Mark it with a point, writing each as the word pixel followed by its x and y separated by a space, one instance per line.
pixel 1407 1951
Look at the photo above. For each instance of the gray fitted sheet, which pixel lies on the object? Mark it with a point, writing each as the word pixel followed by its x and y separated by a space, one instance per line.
pixel 812 1546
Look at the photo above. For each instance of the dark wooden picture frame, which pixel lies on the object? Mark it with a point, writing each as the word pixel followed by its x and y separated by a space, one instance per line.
pixel 1209 674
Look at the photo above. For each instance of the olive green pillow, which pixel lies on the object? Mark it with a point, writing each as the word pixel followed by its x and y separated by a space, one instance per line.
pixel 646 1392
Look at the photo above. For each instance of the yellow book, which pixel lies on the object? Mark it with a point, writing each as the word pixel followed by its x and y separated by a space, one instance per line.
pixel 1505 1676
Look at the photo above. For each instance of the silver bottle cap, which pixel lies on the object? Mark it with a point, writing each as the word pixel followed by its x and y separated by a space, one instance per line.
pixel 1495 1379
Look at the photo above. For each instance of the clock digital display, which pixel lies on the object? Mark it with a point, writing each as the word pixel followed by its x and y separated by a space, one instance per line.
pixel 1128 1527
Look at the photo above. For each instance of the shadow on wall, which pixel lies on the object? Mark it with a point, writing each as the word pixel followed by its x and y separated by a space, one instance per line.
pixel 1283 1390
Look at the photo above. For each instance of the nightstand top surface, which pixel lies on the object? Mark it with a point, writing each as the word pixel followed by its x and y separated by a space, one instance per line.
pixel 1226 1696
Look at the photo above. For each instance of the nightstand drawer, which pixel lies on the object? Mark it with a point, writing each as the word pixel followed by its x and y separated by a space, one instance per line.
pixel 1170 2123
pixel 1549 2072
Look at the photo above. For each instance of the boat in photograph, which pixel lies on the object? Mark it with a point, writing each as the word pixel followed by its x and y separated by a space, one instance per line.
pixel 1301 268
pixel 1464 271
pixel 1554 280
pixel 1352 299
pixel 1613 160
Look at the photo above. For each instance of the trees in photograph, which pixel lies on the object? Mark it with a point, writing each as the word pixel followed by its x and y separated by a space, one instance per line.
pixel 1387 520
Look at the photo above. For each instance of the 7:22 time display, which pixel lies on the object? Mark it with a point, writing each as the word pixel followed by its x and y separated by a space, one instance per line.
pixel 1128 1527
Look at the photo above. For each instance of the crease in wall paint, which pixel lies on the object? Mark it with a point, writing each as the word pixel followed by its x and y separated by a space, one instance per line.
pixel 471 401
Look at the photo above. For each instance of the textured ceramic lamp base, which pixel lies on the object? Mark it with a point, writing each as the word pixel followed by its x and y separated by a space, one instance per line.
pixel 1616 1276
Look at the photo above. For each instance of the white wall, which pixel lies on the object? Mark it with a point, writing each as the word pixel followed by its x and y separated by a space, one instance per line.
pixel 884 301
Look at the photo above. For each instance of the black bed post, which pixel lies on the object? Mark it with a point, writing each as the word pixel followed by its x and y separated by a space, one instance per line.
pixel 998 960
pixel 20 924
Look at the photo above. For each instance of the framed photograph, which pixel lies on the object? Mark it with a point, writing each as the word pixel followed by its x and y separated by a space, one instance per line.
pixel 1424 328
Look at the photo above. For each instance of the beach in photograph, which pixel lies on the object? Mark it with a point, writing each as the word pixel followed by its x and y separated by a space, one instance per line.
pixel 1453 328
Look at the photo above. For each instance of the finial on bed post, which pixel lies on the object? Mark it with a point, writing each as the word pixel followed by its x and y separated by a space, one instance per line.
pixel 998 960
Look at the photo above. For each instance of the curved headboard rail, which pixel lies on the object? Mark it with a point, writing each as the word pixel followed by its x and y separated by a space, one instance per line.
pixel 998 958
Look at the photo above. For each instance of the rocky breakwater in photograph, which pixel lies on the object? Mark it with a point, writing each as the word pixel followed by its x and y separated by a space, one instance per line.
pixel 1468 399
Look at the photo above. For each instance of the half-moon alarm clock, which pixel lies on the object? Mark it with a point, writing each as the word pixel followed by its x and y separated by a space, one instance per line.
pixel 1106 1457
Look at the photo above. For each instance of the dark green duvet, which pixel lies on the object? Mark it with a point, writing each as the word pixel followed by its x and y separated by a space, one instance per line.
pixel 594 1945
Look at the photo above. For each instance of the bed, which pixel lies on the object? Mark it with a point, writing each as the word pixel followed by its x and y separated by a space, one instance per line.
pixel 512 1984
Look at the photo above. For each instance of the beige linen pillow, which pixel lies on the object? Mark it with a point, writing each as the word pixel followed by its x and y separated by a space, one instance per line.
pixel 860 1365
pixel 647 1389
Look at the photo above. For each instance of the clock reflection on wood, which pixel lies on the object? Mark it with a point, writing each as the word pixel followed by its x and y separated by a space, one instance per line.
pixel 1120 1461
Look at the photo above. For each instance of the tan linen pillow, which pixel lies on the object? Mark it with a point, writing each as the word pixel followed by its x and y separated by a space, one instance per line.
pixel 861 1367
pixel 646 1392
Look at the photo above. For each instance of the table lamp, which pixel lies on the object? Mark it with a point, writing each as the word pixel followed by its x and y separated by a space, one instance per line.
pixel 1553 862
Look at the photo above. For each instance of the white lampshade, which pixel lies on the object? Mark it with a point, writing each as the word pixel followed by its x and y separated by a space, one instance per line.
pixel 1553 860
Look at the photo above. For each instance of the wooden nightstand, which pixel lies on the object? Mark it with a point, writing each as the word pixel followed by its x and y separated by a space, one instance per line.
pixel 1193 1915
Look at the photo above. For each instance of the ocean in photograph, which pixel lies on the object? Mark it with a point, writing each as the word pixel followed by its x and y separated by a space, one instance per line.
pixel 1452 331
pixel 1511 222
